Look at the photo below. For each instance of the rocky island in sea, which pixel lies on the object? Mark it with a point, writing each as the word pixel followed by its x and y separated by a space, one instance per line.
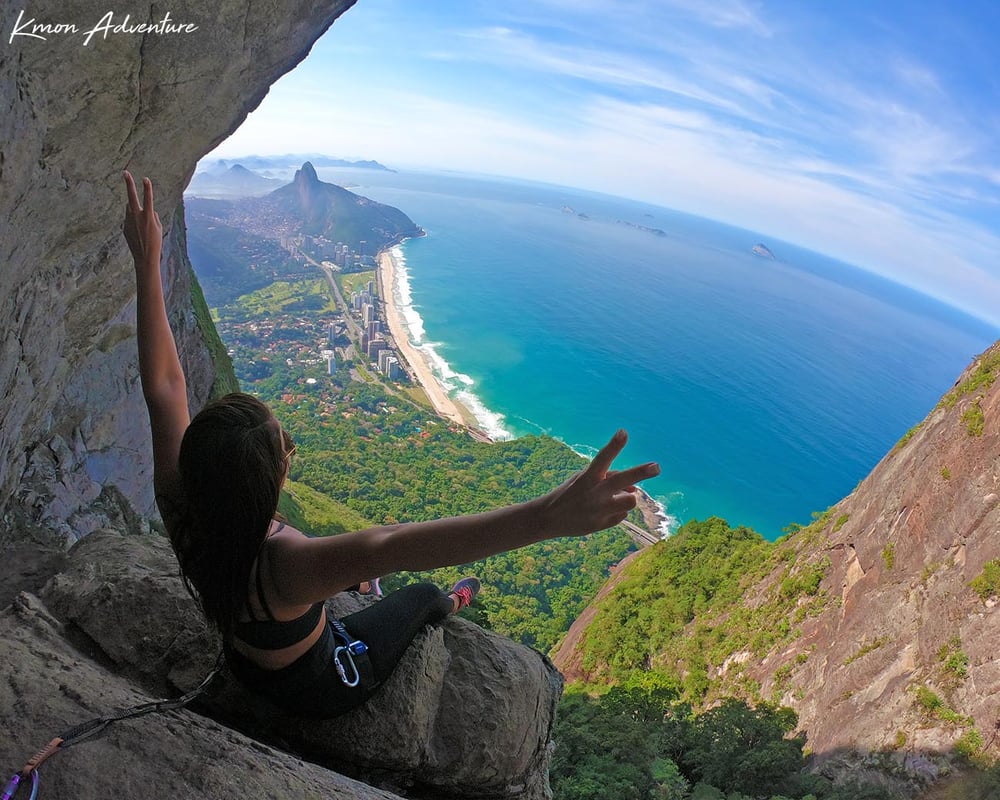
pixel 762 250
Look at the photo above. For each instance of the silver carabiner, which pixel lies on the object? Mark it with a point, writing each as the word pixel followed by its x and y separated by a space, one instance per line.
pixel 11 789
pixel 341 671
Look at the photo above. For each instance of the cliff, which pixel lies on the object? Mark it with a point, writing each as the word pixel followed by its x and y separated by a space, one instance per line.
pixel 907 565
pixel 878 623
pixel 73 434
pixel 108 623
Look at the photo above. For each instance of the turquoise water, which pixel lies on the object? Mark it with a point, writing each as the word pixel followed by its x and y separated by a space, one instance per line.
pixel 766 389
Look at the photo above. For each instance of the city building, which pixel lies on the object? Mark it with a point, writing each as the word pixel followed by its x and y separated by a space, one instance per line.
pixel 384 355
pixel 392 369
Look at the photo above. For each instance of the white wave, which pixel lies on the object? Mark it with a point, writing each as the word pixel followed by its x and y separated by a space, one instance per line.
pixel 403 297
pixel 585 450
pixel 669 523
pixel 456 385
pixel 441 368
pixel 491 422
pixel 529 425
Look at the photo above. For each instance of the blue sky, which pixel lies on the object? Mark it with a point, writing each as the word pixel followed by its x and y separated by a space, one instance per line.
pixel 869 131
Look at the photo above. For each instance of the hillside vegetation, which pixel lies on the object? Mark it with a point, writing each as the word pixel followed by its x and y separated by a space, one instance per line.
pixel 683 610
pixel 639 741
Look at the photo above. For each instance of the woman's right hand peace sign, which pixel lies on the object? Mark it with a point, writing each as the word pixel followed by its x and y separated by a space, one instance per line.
pixel 598 497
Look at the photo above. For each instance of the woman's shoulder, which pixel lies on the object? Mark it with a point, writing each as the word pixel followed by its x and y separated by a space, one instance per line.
pixel 284 539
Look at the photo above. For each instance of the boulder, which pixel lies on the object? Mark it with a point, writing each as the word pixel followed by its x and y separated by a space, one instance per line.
pixel 50 686
pixel 467 713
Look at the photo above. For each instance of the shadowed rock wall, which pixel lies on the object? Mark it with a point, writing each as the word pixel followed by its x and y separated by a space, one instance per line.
pixel 74 442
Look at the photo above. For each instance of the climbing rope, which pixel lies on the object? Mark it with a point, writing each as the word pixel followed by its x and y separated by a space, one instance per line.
pixel 91 728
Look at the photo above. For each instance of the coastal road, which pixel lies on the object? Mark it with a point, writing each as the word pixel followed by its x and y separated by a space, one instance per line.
pixel 352 325
pixel 640 536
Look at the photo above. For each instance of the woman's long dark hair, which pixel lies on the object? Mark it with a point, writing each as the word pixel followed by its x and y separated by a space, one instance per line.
pixel 232 464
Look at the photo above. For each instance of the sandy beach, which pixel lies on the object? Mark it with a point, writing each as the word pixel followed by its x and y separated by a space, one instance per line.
pixel 418 365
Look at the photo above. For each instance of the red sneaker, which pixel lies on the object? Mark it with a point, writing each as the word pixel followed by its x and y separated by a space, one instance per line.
pixel 465 590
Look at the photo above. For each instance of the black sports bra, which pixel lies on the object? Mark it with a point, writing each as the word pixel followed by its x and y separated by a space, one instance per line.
pixel 272 634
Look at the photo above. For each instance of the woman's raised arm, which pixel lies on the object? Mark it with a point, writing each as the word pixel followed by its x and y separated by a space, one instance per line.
pixel 163 384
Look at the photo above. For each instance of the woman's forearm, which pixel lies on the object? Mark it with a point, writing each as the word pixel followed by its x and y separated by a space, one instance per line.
pixel 459 540
pixel 306 570
pixel 159 365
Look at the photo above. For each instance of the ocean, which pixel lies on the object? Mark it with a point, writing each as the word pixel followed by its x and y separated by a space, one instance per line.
pixel 766 389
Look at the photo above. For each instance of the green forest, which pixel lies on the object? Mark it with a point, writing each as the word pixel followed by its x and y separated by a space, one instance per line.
pixel 382 459
pixel 638 740
pixel 687 598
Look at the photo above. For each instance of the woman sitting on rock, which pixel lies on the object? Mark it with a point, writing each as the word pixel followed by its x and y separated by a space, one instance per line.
pixel 262 583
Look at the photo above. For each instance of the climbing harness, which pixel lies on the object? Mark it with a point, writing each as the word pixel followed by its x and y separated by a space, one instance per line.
pixel 95 726
pixel 351 658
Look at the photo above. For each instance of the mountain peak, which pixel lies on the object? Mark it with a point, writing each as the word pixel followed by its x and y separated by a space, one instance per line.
pixel 306 175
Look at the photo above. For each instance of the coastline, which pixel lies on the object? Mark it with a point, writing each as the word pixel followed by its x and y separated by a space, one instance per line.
pixel 655 515
pixel 418 364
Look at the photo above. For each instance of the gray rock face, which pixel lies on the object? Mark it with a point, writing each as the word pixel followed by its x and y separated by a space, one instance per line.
pixel 51 686
pixel 466 714
pixel 74 452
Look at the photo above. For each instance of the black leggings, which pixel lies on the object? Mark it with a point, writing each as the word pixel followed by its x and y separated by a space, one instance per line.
pixel 311 687
pixel 389 625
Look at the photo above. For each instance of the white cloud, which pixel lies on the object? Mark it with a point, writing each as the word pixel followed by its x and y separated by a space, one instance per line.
pixel 879 168
pixel 725 14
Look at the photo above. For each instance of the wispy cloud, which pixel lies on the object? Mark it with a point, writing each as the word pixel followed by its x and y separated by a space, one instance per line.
pixel 725 14
pixel 840 128
pixel 612 69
